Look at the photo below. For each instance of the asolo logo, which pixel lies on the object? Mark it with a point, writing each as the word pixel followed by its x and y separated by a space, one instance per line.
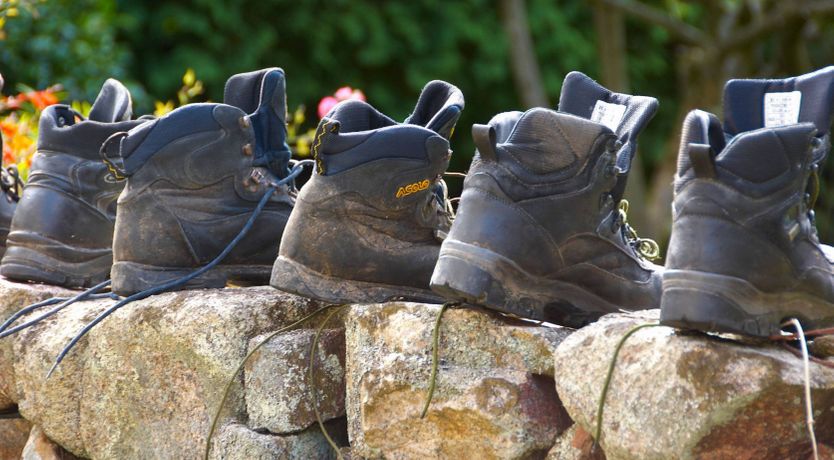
pixel 412 188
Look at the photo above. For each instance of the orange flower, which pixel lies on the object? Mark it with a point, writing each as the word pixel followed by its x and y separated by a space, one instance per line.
pixel 42 99
pixel 8 127
pixel 8 156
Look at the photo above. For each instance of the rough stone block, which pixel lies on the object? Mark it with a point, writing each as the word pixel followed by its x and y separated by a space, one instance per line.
pixel 237 442
pixel 494 394
pixel 278 390
pixel 39 447
pixel 13 436
pixel 146 381
pixel 678 394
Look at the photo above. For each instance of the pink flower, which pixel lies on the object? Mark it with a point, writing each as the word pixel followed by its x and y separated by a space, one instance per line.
pixel 325 104
pixel 342 94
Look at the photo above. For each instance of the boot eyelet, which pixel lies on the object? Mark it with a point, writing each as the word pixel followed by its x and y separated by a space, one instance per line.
pixel 244 122
pixel 247 149
pixel 605 199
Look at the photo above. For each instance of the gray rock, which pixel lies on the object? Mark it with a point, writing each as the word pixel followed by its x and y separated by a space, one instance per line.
pixel 39 447
pixel 575 444
pixel 494 394
pixel 154 370
pixel 278 392
pixel 823 347
pixel 237 442
pixel 13 436
pixel 11 301
pixel 686 395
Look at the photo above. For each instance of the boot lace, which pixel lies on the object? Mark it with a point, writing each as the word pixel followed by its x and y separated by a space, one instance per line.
pixel 645 247
pixel 443 199
pixel 274 185
pixel 10 183
pixel 812 196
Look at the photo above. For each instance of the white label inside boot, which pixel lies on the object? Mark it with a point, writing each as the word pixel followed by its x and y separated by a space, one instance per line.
pixel 609 115
pixel 781 109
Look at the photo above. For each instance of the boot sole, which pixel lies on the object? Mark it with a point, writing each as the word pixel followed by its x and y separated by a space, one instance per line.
pixel 478 276
pixel 130 277
pixel 717 303
pixel 37 259
pixel 291 276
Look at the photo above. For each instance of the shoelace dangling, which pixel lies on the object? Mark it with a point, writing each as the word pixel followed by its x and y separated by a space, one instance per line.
pixel 92 293
pixel 645 247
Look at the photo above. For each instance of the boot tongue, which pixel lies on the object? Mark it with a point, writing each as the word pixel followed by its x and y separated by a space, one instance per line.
pixel 112 104
pixel 624 114
pixel 354 115
pixel 262 95
pixel 754 104
pixel 438 108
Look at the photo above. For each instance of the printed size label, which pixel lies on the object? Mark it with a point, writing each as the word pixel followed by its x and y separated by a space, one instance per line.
pixel 609 115
pixel 781 109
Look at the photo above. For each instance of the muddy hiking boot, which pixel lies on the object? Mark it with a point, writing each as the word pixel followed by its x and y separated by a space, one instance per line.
pixel 10 189
pixel 744 253
pixel 540 230
pixel 62 230
pixel 194 178
pixel 367 226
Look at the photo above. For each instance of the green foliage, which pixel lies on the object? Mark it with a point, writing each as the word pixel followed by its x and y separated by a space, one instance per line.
pixel 68 42
pixel 388 49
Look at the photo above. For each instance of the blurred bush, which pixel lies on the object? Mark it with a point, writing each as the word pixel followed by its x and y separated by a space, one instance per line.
pixel 68 42
pixel 389 49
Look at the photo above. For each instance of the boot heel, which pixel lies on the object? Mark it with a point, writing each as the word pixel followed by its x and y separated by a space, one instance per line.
pixel 130 278
pixel 295 278
pixel 456 279
pixel 709 302
pixel 705 311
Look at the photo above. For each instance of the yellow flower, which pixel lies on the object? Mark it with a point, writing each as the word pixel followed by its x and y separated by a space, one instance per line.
pixel 302 146
pixel 161 108
pixel 189 78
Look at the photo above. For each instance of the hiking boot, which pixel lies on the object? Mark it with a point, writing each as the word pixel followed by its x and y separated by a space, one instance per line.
pixel 194 178
pixel 540 230
pixel 368 224
pixel 744 253
pixel 62 230
pixel 10 188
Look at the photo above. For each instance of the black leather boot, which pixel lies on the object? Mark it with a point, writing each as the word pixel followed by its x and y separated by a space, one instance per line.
pixel 367 226
pixel 540 231
pixel 62 230
pixel 744 253
pixel 194 179
pixel 10 189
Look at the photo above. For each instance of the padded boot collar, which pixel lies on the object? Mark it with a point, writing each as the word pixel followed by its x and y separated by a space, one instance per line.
pixel 262 95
